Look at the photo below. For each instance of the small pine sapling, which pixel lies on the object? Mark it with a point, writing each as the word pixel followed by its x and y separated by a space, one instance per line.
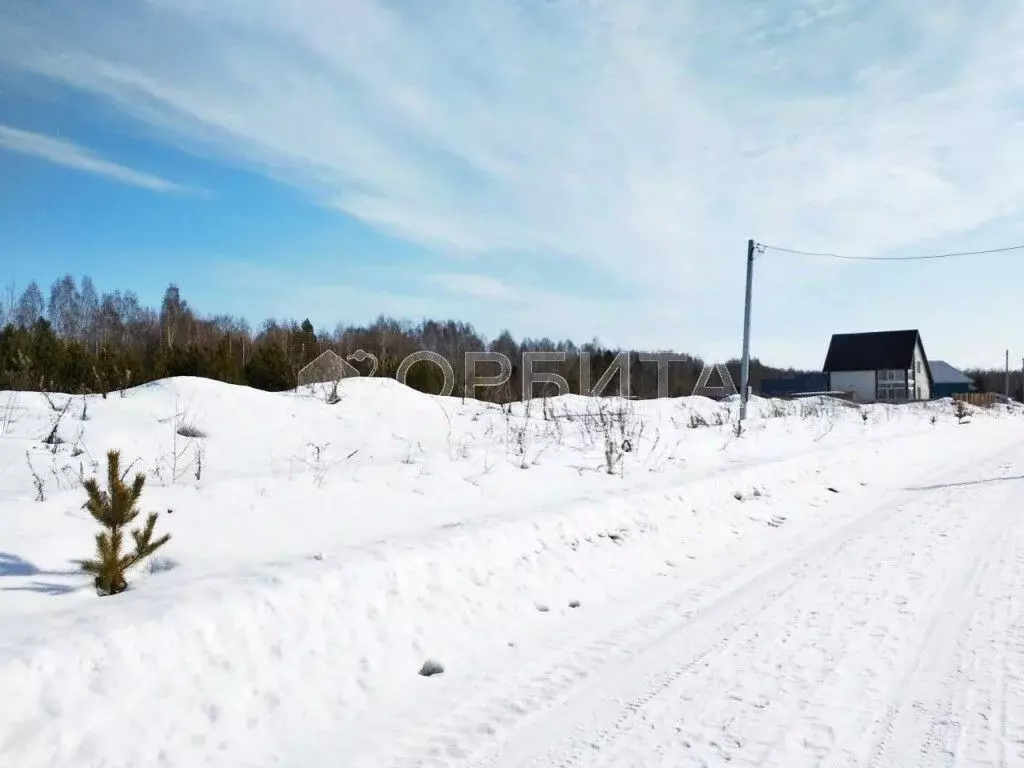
pixel 960 411
pixel 115 509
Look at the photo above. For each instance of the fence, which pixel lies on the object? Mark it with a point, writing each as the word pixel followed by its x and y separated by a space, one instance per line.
pixel 982 399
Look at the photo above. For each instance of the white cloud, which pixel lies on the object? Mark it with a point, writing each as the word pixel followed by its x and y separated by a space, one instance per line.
pixel 476 286
pixel 80 158
pixel 644 140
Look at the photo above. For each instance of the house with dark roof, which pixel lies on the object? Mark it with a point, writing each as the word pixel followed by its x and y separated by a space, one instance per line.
pixel 948 381
pixel 887 366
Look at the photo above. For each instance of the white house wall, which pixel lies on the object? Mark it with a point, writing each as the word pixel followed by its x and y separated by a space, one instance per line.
pixel 861 383
pixel 922 377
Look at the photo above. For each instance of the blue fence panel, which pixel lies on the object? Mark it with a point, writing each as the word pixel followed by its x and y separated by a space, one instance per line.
pixel 808 382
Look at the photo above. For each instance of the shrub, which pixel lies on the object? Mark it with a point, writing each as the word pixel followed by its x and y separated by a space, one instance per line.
pixel 960 411
pixel 333 398
pixel 54 439
pixel 37 481
pixel 115 509
pixel 188 429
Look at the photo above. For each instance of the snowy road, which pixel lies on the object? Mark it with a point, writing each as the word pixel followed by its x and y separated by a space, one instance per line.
pixel 890 635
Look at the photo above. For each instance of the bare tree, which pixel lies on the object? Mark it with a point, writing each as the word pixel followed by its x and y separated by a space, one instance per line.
pixel 89 312
pixel 30 307
pixel 10 297
pixel 64 310
pixel 108 326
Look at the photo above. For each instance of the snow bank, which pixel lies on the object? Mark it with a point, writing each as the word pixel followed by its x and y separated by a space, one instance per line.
pixel 326 551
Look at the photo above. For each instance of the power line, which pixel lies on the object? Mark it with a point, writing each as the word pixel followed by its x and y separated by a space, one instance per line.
pixel 762 247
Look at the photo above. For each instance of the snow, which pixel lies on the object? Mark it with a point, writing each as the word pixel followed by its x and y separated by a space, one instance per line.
pixel 836 585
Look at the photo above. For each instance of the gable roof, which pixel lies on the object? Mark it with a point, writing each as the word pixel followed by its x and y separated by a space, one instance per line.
pixel 944 373
pixel 871 351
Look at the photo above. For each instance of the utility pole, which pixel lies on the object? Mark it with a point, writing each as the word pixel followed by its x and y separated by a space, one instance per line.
pixel 745 369
pixel 1007 393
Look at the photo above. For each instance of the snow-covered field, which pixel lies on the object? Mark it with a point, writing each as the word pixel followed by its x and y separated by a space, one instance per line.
pixel 836 586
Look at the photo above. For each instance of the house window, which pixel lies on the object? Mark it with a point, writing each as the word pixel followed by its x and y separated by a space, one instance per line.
pixel 917 366
pixel 892 391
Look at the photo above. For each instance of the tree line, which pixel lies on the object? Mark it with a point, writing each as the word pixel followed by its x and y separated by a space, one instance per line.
pixel 78 340
pixel 995 381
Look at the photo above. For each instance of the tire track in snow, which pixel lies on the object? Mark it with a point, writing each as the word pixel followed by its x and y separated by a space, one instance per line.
pixel 849 622
pixel 953 713
pixel 962 709
pixel 556 695
pixel 977 693
pixel 930 656
pixel 439 727
pixel 814 740
pixel 739 719
pixel 1011 643
pixel 863 643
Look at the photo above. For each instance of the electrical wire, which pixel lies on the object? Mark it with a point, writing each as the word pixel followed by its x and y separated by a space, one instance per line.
pixel 763 247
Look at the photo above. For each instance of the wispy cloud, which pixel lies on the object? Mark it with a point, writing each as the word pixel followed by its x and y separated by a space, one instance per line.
pixel 639 136
pixel 476 286
pixel 80 158
pixel 645 140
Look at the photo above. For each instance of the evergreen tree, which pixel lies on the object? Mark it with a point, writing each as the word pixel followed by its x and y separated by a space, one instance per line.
pixel 303 344
pixel 173 310
pixel 269 369
pixel 44 355
pixel 115 509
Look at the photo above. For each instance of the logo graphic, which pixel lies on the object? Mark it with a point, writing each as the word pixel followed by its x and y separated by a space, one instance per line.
pixel 702 389
pixel 330 368
pixel 361 356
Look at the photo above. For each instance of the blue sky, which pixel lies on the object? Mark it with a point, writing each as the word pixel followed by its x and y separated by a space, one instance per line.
pixel 569 168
